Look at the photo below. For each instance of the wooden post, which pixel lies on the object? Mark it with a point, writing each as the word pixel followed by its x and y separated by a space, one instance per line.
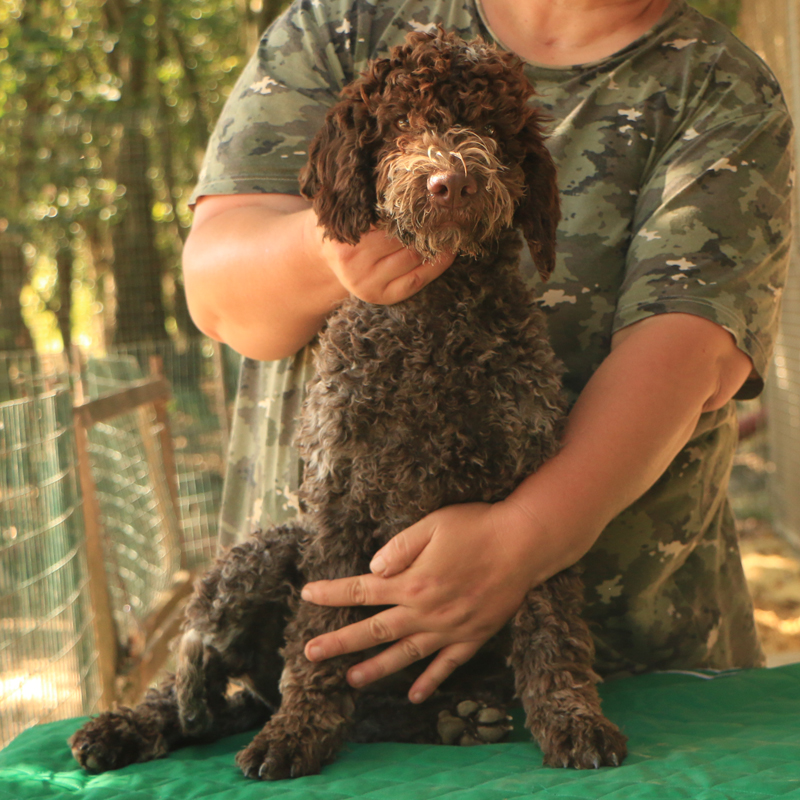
pixel 105 627
pixel 168 453
pixel 76 364
pixel 164 621
pixel 165 499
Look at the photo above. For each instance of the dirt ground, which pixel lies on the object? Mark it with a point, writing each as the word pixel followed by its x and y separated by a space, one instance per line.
pixel 771 563
pixel 772 568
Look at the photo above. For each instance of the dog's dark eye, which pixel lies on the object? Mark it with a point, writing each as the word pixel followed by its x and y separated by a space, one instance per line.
pixel 403 124
pixel 489 130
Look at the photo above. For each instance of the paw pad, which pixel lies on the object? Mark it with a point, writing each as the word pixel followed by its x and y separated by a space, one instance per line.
pixel 473 723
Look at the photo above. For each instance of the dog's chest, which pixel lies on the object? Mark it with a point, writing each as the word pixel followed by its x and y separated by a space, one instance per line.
pixel 451 396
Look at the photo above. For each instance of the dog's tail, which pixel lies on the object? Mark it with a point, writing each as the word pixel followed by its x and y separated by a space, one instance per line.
pixel 191 684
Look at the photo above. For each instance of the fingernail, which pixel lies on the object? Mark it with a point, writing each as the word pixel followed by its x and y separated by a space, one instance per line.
pixel 356 678
pixel 416 697
pixel 315 653
pixel 378 565
pixel 306 593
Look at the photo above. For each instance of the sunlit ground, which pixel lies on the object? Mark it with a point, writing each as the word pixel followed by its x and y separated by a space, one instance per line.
pixel 772 568
pixel 37 691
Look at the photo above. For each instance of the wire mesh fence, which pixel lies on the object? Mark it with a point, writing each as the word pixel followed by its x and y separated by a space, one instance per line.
pixel 24 373
pixel 48 664
pixel 203 378
pixel 48 657
pixel 142 547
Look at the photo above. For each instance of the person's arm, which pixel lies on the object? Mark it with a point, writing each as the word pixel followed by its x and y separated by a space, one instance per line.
pixel 261 277
pixel 454 578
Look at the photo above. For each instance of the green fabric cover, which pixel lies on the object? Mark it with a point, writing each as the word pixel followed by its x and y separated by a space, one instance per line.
pixel 736 736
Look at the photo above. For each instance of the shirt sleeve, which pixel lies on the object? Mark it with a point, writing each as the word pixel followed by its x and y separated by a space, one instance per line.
pixel 279 102
pixel 712 230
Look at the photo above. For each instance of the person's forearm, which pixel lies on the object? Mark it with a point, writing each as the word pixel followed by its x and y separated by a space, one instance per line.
pixel 634 416
pixel 250 281
pixel 262 276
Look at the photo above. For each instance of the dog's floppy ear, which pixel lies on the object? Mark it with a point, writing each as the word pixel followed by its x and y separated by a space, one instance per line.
pixel 338 177
pixel 539 212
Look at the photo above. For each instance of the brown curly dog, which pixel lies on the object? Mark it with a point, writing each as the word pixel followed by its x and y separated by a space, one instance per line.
pixel 450 396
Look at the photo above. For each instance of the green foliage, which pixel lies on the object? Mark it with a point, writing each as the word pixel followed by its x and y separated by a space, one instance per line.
pixel 725 11
pixel 80 82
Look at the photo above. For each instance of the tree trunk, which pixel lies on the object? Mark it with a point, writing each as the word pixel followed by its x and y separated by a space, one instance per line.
pixel 137 262
pixel 64 311
pixel 182 316
pixel 138 266
pixel 269 12
pixel 14 333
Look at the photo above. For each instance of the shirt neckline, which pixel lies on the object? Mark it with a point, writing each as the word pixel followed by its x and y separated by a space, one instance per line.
pixel 673 10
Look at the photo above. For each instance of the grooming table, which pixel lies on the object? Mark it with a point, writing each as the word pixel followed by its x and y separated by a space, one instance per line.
pixel 733 736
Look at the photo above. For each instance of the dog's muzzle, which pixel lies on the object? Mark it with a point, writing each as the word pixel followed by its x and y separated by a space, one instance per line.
pixel 447 192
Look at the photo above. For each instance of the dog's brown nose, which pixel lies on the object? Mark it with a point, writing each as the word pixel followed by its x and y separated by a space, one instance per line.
pixel 451 188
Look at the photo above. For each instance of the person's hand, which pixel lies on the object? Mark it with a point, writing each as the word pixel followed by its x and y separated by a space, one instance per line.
pixel 453 580
pixel 379 269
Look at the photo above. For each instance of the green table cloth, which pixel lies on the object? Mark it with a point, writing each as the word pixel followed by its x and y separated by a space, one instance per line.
pixel 733 736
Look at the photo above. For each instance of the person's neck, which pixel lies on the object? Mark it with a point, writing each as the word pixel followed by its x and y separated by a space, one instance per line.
pixel 568 32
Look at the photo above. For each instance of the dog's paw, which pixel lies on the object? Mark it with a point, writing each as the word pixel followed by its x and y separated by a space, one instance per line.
pixel 584 743
pixel 473 723
pixel 275 756
pixel 113 740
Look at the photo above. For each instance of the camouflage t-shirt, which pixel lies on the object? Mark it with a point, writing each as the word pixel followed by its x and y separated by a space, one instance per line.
pixel 675 172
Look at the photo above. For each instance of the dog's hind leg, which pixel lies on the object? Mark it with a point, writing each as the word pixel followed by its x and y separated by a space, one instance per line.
pixel 469 708
pixel 233 627
pixel 235 624
pixel 552 653
pixel 115 739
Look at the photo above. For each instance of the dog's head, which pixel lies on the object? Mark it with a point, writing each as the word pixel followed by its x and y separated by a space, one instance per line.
pixel 438 145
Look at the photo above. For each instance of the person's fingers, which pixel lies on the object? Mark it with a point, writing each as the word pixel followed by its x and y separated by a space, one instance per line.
pixel 365 268
pixel 379 269
pixel 360 590
pixel 399 656
pixel 387 626
pixel 402 549
pixel 445 663
pixel 409 283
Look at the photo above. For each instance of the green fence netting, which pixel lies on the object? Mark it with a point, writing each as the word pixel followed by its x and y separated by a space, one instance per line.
pixel 47 658
pixel 48 664
pixel 203 378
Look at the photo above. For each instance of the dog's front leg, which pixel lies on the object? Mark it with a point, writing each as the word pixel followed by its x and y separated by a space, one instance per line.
pixel 552 653
pixel 317 705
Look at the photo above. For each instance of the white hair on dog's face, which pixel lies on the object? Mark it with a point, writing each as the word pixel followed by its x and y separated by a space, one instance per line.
pixel 406 205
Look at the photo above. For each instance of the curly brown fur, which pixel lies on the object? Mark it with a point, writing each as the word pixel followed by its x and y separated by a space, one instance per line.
pixel 450 396
pixel 224 638
pixel 115 739
pixel 219 639
pixel 427 87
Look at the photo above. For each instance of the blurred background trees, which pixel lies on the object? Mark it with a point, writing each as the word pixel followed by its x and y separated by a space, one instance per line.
pixel 105 110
